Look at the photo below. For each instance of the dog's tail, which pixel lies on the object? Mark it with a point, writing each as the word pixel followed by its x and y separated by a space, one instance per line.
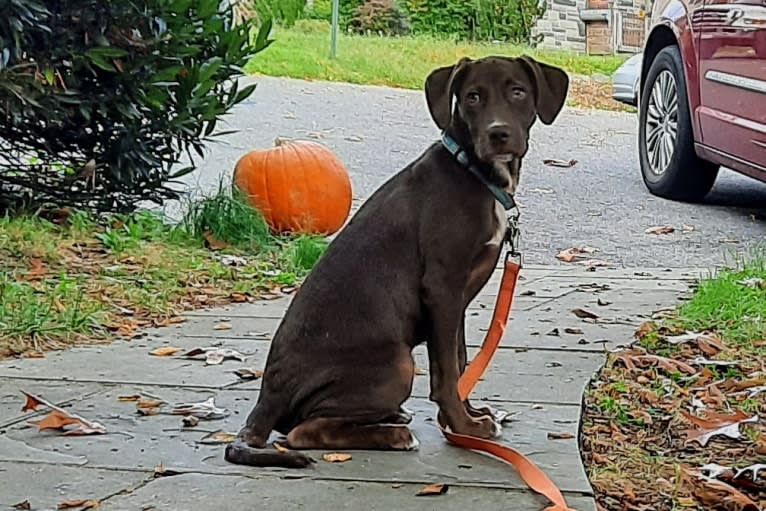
pixel 240 453
pixel 249 447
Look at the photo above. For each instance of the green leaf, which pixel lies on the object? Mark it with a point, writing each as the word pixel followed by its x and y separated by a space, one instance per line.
pixel 209 68
pixel 49 76
pixel 261 40
pixel 101 62
pixel 182 172
pixel 107 51
pixel 245 93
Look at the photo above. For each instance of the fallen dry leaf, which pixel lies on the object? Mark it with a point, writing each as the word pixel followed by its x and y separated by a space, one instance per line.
pixel 660 229
pixel 218 437
pixel 161 471
pixel 741 385
pixel 747 476
pixel 149 403
pixel 214 356
pixel 173 320
pixel 644 329
pixel 279 447
pixel 231 260
pixel 189 421
pixel 59 418
pixel 573 331
pixel 584 314
pixel 206 410
pixel 709 344
pixel 633 358
pixel 433 489
pixel 22 505
pixel 129 397
pixel 247 373
pixel 78 503
pixel 214 243
pixel 553 162
pixel 592 264
pixel 753 282
pixel 164 351
pixel 560 436
pixel 336 457
pixel 716 424
pixel 572 254
pixel 37 269
pixel 222 326
pixel 716 494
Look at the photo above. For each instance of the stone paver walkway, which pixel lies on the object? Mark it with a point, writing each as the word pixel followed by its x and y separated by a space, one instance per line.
pixel 538 375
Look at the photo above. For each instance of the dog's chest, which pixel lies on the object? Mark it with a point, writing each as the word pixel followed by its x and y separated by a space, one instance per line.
pixel 500 223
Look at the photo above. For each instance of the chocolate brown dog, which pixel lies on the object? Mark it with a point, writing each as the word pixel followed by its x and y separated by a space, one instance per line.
pixel 401 273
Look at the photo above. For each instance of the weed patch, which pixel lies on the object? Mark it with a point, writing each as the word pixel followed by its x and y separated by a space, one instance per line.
pixel 71 278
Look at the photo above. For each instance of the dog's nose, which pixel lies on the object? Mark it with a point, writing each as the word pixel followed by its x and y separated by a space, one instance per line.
pixel 499 133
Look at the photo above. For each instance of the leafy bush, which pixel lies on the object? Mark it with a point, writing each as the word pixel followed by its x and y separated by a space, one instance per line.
pixel 381 17
pixel 483 20
pixel 101 98
pixel 487 20
pixel 285 12
pixel 322 10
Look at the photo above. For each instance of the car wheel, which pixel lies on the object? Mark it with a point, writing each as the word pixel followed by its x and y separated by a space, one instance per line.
pixel 669 165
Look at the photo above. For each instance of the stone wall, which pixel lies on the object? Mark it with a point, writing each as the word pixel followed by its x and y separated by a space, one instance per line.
pixel 561 26
pixel 589 25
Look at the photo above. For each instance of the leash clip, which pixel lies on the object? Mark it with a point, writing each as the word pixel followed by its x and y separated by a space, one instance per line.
pixel 513 235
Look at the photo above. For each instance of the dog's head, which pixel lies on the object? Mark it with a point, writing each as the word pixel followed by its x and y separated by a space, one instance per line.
pixel 497 100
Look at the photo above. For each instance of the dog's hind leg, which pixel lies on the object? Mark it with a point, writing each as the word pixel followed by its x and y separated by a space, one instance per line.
pixel 337 433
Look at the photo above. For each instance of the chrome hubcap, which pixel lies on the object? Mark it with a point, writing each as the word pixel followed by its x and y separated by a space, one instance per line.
pixel 662 122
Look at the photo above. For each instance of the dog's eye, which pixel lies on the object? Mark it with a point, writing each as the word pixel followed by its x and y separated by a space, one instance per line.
pixel 518 93
pixel 473 98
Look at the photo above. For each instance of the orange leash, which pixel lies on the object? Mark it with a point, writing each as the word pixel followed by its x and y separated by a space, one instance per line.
pixel 529 472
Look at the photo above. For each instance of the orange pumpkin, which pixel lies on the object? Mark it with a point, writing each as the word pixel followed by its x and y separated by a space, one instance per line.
pixel 298 186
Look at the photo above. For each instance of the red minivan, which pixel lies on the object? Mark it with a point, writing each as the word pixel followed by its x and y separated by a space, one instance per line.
pixel 702 100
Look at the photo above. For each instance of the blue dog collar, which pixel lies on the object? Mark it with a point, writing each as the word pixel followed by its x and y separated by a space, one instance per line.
pixel 502 196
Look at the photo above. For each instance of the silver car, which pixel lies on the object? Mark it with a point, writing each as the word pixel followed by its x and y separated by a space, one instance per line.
pixel 626 80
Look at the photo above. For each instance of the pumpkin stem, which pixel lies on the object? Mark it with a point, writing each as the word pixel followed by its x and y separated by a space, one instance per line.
pixel 280 141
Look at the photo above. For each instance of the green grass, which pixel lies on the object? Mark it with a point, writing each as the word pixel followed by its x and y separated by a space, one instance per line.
pixel 723 303
pixel 229 219
pixel 303 52
pixel 87 279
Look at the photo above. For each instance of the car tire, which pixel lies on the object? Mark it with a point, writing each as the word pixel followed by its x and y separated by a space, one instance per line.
pixel 669 165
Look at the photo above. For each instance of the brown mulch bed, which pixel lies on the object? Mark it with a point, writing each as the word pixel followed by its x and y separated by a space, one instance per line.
pixel 589 93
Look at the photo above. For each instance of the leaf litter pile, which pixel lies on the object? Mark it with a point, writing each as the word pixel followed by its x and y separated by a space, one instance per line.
pixel 676 421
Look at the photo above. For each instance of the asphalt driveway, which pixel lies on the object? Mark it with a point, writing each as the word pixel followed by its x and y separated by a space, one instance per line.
pixel 600 201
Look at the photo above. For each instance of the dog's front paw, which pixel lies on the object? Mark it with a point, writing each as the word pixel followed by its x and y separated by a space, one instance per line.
pixel 482 427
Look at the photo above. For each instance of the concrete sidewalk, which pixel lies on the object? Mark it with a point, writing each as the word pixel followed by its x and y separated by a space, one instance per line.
pixel 546 359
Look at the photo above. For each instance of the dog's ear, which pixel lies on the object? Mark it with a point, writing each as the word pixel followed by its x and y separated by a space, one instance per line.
pixel 551 84
pixel 440 86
